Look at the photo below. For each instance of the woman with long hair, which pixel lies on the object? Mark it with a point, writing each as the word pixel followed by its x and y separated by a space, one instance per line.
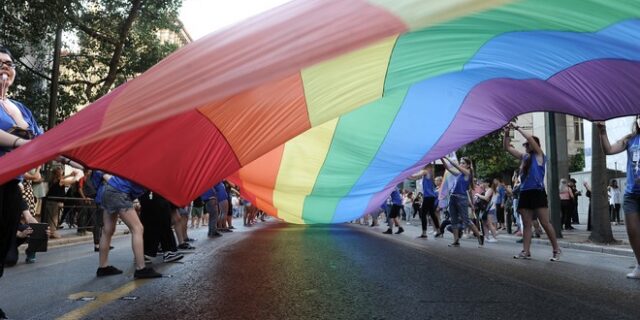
pixel 532 203
pixel 460 199
pixel 566 203
pixel 490 218
pixel 631 203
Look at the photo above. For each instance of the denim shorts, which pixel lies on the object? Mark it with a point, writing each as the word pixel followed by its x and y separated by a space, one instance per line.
pixel 459 211
pixel 631 204
pixel 114 201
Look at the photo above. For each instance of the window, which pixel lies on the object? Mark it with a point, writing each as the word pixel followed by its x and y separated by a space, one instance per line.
pixel 578 129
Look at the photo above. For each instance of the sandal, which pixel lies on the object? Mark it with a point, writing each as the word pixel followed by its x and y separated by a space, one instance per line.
pixel 523 255
pixel 556 256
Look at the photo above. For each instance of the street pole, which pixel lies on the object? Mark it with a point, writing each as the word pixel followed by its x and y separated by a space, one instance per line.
pixel 55 76
pixel 552 174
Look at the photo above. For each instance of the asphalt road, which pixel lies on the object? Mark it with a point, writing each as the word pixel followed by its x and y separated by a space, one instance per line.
pixel 279 271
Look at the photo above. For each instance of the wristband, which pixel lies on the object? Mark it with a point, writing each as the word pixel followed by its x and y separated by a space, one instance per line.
pixel 16 141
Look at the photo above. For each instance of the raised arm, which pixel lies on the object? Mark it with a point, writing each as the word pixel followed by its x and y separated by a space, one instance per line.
pixel 458 167
pixel 506 142
pixel 487 195
pixel 608 148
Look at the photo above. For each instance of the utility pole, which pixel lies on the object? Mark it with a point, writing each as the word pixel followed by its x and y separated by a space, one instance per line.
pixel 55 76
pixel 552 174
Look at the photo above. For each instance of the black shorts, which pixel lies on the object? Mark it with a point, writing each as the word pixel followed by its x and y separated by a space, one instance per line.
pixel 395 211
pixel 533 199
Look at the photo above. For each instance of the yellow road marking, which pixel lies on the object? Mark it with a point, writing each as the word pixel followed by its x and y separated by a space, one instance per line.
pixel 102 299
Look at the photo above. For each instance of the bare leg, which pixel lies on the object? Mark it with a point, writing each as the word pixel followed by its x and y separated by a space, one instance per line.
pixel 632 222
pixel 527 221
pixel 543 217
pixel 177 225
pixel 130 218
pixel 108 228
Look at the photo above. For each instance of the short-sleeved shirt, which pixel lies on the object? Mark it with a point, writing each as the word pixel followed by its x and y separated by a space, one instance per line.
pixel 221 192
pixel 125 186
pixel 209 194
pixel 396 199
pixel 428 187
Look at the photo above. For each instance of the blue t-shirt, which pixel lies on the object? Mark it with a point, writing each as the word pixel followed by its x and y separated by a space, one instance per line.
pixel 221 192
pixel 125 186
pixel 535 177
pixel 209 194
pixel 428 187
pixel 633 166
pixel 501 193
pixel 462 185
pixel 396 199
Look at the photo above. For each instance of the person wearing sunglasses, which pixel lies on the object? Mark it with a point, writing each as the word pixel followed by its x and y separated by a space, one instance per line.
pixel 17 127
pixel 631 199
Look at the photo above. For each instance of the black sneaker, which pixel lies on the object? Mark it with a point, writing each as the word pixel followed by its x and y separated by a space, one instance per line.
pixel 186 246
pixel 146 273
pixel 189 239
pixel 400 231
pixel 3 315
pixel 215 235
pixel 172 257
pixel 231 227
pixel 97 249
pixel 454 245
pixel 481 240
pixel 423 236
pixel 389 231
pixel 108 271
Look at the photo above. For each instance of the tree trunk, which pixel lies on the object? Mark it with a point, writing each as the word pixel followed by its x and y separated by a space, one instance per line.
pixel 601 225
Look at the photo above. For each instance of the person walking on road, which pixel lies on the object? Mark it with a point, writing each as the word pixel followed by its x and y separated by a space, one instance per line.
pixel 460 199
pixel 631 203
pixel 396 206
pixel 429 197
pixel 532 203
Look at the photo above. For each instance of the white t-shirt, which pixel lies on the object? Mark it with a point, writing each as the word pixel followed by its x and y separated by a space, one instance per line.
pixel 614 196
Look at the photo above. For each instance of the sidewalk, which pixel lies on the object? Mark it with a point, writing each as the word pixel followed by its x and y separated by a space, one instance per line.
pixel 71 236
pixel 575 239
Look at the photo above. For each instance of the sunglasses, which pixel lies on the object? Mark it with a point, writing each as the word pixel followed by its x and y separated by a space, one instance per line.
pixel 9 64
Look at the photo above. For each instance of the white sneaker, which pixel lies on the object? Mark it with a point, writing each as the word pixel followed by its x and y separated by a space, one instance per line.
pixel 635 274
pixel 492 240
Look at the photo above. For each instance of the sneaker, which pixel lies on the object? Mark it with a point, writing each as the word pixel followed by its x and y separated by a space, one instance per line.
pixel 231 227
pixel 389 231
pixel 31 258
pixel 172 257
pixel 3 315
pixel 186 246
pixel 214 235
pixel 189 239
pixel 423 236
pixel 523 255
pixel 146 273
pixel 400 231
pixel 492 240
pixel 556 256
pixel 454 245
pixel 439 234
pixel 97 249
pixel 635 274
pixel 481 240
pixel 108 271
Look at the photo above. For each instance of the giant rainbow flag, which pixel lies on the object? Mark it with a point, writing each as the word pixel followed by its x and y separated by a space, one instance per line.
pixel 314 107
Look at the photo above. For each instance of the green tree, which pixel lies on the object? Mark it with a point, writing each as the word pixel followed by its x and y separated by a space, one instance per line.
pixel 576 161
pixel 108 42
pixel 490 158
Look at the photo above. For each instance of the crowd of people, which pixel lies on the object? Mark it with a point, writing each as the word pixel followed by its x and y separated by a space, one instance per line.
pixel 481 209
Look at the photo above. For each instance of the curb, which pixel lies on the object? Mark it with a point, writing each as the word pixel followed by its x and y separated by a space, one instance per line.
pixel 67 241
pixel 580 246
